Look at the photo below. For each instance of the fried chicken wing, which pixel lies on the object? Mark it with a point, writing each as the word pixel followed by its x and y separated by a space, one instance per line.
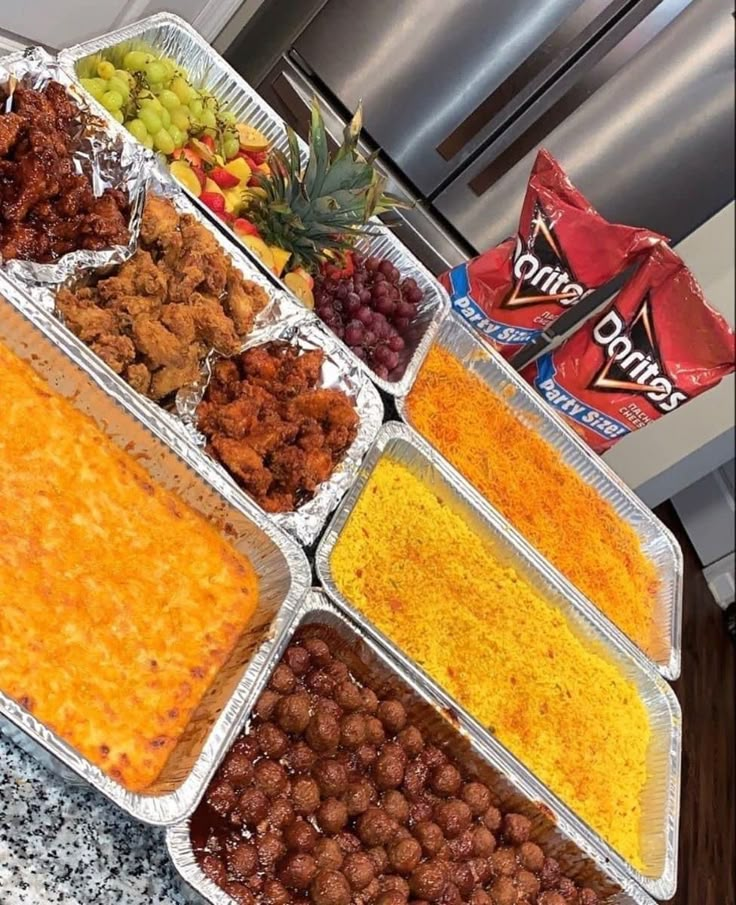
pixel 139 377
pixel 170 378
pixel 84 319
pixel 213 325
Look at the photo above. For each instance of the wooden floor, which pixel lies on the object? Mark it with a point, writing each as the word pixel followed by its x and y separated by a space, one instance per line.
pixel 707 693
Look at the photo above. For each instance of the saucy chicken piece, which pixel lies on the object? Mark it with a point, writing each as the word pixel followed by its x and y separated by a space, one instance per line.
pixel 47 208
pixel 270 424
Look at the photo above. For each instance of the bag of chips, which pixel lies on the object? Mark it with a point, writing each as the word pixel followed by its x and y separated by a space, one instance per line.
pixel 564 250
pixel 657 345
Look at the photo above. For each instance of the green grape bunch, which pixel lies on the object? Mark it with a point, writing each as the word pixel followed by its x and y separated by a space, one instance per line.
pixel 155 100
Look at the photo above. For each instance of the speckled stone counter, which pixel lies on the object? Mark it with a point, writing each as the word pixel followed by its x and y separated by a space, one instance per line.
pixel 69 846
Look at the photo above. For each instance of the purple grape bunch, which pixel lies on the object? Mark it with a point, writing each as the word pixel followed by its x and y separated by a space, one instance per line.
pixel 371 310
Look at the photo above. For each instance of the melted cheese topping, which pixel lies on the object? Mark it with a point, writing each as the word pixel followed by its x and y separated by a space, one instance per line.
pixel 119 603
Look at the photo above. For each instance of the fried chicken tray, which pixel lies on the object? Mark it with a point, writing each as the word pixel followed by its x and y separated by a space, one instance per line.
pixel 71 188
pixel 182 308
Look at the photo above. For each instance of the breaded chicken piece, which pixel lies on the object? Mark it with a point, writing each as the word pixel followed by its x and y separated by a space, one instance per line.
pixel 244 463
pixel 116 351
pixel 158 345
pixel 139 377
pixel 160 226
pixel 139 275
pixel 243 301
pixel 214 327
pixel 170 378
pixel 83 319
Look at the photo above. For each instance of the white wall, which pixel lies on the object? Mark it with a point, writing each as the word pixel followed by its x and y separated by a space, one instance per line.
pixel 60 23
pixel 687 444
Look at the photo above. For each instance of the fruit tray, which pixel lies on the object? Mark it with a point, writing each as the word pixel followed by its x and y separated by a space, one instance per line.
pixel 657 541
pixel 371 663
pixel 282 567
pixel 661 797
pixel 206 69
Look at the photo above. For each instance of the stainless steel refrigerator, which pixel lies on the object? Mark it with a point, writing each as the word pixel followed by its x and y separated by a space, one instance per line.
pixel 635 99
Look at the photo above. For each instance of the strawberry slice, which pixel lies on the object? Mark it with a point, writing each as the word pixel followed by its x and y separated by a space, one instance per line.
pixel 224 178
pixel 214 202
pixel 245 227
pixel 200 174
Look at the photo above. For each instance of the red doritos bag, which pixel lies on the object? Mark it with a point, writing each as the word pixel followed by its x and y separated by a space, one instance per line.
pixel 564 250
pixel 656 346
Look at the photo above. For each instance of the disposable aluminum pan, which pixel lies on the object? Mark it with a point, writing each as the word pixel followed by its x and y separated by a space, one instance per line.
pixel 661 797
pixel 206 68
pixel 657 542
pixel 338 372
pixel 372 664
pixel 282 569
pixel 110 157
pixel 281 319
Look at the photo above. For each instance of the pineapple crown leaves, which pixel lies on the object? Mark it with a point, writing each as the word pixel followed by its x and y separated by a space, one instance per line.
pixel 327 205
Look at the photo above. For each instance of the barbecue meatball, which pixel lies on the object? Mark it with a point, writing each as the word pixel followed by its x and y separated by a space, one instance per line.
pixel 551 898
pixel 393 716
pixel 242 860
pixel 300 836
pixel 328 854
pixel 359 870
pixel 222 797
pixel 253 807
pixel 213 868
pixel 352 731
pixel 298 870
pixel 516 828
pixel 395 805
pixel 293 712
pixel 530 856
pixel 368 701
pixel 331 776
pixel 503 892
pixel 276 893
pixel 332 816
pixel 588 897
pixel 305 796
pixel 270 777
pixel 280 814
pixel 374 731
pixel 433 756
pixel 366 756
pixel 298 660
pixel 429 836
pixel 240 894
pixel 492 819
pixel 411 740
pixel 503 862
pixel 527 884
pixel 480 897
pixel 359 796
pixel 300 758
pixel 404 855
pixel 238 769
pixel 330 887
pixel 415 779
pixel 323 732
pixel 550 874
pixel 270 850
pixel 453 817
pixel 388 770
pixel 445 780
pixel 429 881
pixel 347 695
pixel 272 741
pixel 483 842
pixel 266 704
pixel 319 651
pixel 477 797
pixel 375 827
pixel 283 680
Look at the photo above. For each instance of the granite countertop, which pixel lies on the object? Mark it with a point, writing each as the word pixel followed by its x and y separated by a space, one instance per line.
pixel 67 845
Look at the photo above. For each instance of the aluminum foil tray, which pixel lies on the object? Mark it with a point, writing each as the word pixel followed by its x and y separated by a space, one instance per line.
pixel 282 568
pixel 109 155
pixel 206 68
pixel 657 542
pixel 372 663
pixel 282 318
pixel 661 798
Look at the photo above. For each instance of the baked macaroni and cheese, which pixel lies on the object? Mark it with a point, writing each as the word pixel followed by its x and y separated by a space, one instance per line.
pixel 119 602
